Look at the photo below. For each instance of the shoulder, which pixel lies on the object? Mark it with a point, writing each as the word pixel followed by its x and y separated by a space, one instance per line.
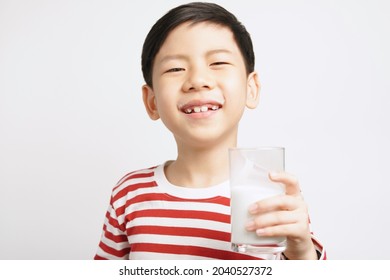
pixel 141 173
pixel 134 180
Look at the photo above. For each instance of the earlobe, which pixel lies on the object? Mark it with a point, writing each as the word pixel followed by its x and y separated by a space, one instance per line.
pixel 150 102
pixel 253 91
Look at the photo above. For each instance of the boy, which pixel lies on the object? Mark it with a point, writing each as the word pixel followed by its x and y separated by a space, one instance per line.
pixel 198 65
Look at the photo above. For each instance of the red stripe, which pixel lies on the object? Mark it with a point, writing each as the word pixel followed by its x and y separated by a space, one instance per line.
pixel 118 253
pixel 187 214
pixel 220 200
pixel 139 174
pixel 149 197
pixel 113 237
pixel 190 250
pixel 113 222
pixel 97 257
pixel 181 231
pixel 123 192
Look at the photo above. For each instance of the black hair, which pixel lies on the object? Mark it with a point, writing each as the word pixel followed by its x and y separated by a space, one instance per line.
pixel 195 12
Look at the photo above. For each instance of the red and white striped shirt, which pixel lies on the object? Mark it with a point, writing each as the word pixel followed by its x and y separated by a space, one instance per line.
pixel 149 218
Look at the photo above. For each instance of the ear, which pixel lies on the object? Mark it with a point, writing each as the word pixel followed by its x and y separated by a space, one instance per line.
pixel 150 103
pixel 253 91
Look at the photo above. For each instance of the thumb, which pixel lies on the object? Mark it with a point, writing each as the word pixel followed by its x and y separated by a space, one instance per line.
pixel 290 181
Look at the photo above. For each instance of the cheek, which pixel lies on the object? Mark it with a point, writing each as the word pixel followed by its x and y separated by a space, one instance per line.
pixel 165 102
pixel 168 86
pixel 235 89
pixel 234 78
pixel 163 92
pixel 162 105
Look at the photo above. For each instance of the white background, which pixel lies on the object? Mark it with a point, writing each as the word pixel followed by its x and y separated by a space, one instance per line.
pixel 72 120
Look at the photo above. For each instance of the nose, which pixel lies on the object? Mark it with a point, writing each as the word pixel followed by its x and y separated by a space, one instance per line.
pixel 198 78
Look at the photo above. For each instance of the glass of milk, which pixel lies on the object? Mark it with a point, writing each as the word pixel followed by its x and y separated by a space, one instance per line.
pixel 249 183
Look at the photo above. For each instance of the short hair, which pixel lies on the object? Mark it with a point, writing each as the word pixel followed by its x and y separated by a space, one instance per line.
pixel 195 12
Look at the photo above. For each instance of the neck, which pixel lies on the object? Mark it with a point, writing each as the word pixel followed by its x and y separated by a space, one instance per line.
pixel 200 166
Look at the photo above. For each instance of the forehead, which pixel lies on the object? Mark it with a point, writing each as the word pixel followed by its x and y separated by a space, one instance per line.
pixel 197 38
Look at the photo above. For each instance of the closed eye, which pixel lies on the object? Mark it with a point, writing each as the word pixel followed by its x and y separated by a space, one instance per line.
pixel 219 63
pixel 176 69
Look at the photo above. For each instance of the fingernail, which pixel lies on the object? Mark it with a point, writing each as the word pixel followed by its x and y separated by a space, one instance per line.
pixel 274 175
pixel 253 208
pixel 250 225
pixel 260 231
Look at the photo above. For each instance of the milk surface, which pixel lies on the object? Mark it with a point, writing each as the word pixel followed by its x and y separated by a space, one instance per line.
pixel 242 196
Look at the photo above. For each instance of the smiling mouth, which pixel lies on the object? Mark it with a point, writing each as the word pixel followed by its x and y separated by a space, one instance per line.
pixel 200 109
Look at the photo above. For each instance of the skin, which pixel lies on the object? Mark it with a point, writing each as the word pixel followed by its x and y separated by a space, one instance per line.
pixel 201 65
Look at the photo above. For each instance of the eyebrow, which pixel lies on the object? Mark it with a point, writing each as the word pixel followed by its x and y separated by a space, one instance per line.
pixel 216 51
pixel 185 57
pixel 173 57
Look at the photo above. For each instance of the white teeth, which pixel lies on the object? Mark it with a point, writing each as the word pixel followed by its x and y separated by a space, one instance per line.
pixel 198 109
pixel 204 108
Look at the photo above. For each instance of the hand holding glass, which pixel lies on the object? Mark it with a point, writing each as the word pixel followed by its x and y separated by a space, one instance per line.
pixel 250 183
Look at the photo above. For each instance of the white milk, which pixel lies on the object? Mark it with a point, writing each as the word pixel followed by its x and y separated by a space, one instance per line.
pixel 242 196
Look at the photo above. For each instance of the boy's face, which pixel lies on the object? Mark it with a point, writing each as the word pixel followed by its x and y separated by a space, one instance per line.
pixel 200 85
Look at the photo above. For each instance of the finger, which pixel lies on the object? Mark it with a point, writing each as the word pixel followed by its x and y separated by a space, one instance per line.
pixel 289 230
pixel 272 219
pixel 279 230
pixel 290 181
pixel 274 203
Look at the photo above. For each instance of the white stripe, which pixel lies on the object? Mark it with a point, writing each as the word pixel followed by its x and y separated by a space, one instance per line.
pixel 166 256
pixel 130 174
pixel 132 194
pixel 185 241
pixel 184 205
pixel 116 246
pixel 178 222
pixel 113 216
pixel 151 190
pixel 113 230
pixel 131 182
pixel 139 190
pixel 175 205
pixel 180 240
pixel 163 256
pixel 106 255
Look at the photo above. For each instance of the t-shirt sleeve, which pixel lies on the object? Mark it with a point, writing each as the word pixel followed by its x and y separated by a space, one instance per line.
pixel 113 243
pixel 321 253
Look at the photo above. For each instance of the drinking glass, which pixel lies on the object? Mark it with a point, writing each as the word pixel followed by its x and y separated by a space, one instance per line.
pixel 249 183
